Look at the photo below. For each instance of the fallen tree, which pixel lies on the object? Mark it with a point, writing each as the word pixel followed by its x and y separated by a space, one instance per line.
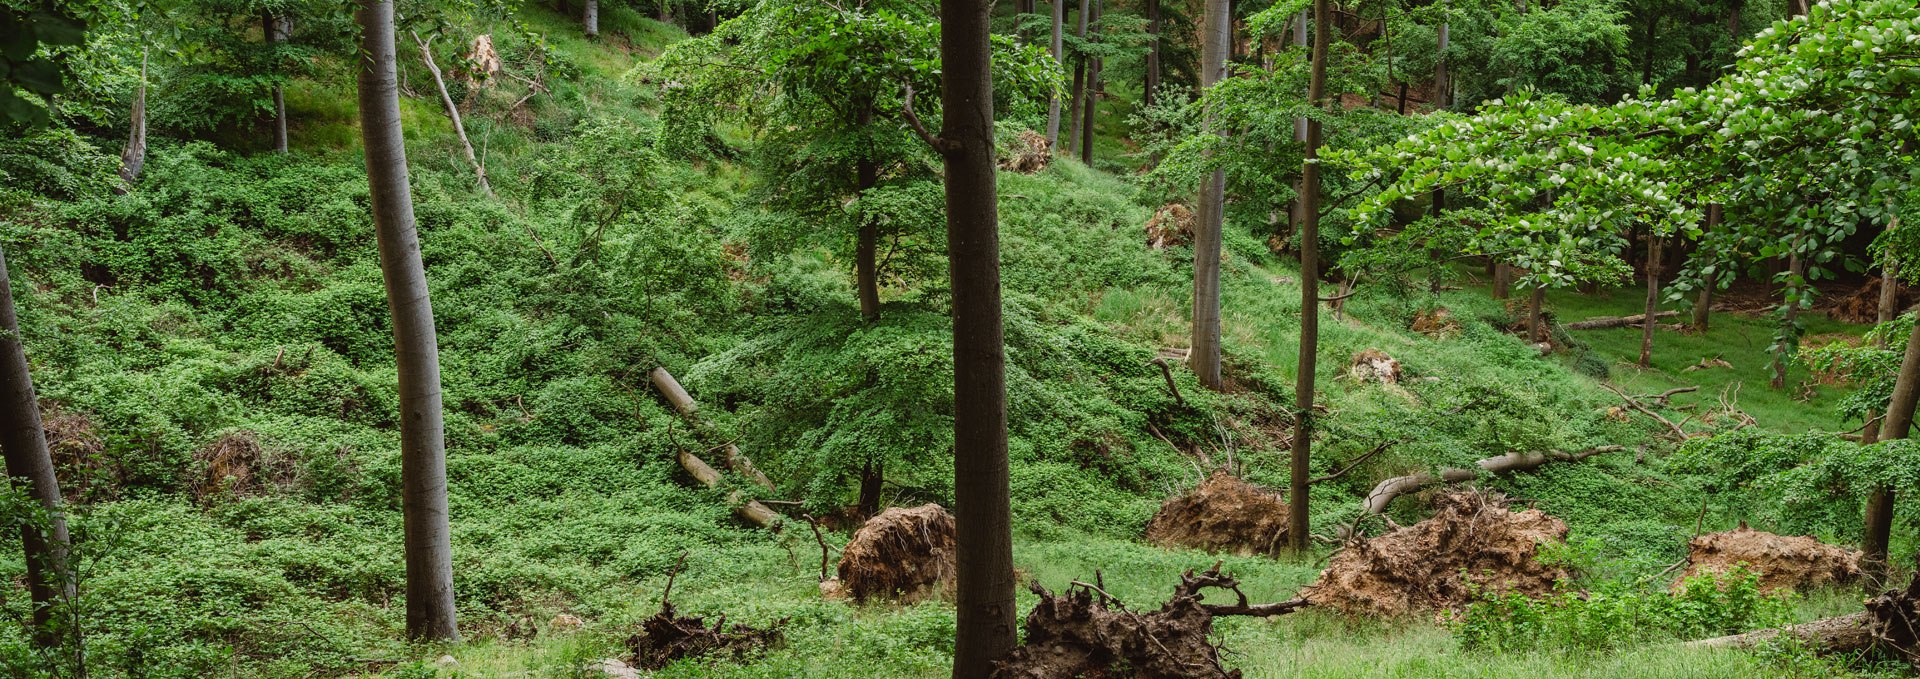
pixel 1473 545
pixel 1383 493
pixel 1891 623
pixel 1086 632
pixel 1617 321
pixel 684 403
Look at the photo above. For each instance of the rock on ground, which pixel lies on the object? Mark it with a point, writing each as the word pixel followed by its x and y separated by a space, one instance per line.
pixel 1474 542
pixel 1222 514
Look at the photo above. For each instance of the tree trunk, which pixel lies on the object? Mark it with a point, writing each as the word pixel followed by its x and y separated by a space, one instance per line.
pixel 1897 424
pixel 1797 8
pixel 1604 322
pixel 1383 493
pixel 1442 96
pixel 1435 274
pixel 590 19
pixel 25 445
pixel 1536 317
pixel 134 156
pixel 1153 53
pixel 1794 295
pixel 423 464
pixel 683 403
pixel 453 112
pixel 866 260
pixel 277 29
pixel 1648 323
pixel 984 610
pixel 1646 66
pixel 1502 280
pixel 1058 48
pixel 1875 540
pixel 1075 101
pixel 872 474
pixel 1092 107
pixel 1299 537
pixel 1703 308
pixel 1204 359
pixel 1297 215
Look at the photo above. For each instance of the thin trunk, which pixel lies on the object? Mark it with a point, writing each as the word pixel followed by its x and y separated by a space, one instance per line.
pixel 1536 316
pixel 1502 280
pixel 1058 49
pixel 984 610
pixel 134 156
pixel 278 28
pixel 25 445
pixel 1402 110
pixel 1442 94
pixel 1653 301
pixel 1153 53
pixel 1795 291
pixel 1703 308
pixel 1074 101
pixel 1297 215
pixel 1437 205
pixel 423 464
pixel 1880 504
pixel 1298 531
pixel 872 475
pixel 453 112
pixel 1646 65
pixel 1204 359
pixel 866 265
pixel 1092 107
pixel 1897 424
pixel 590 19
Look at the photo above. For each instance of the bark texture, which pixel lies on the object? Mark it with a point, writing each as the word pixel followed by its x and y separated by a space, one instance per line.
pixel 984 609
pixel 134 156
pixel 1204 358
pixel 1090 110
pixel 1384 493
pixel 1153 53
pixel 24 443
pixel 1299 537
pixel 1647 323
pixel 278 28
pixel 423 464
pixel 866 259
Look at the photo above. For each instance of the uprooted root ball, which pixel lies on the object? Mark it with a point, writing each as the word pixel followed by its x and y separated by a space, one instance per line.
pixel 1222 514
pixel 902 555
pixel 1474 543
pixel 669 636
pixel 1783 562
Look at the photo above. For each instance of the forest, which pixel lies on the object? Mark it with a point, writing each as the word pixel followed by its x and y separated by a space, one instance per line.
pixel 1164 339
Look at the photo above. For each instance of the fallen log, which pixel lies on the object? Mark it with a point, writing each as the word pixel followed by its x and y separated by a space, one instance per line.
pixel 1849 633
pixel 684 403
pixel 1617 321
pixel 750 510
pixel 1383 493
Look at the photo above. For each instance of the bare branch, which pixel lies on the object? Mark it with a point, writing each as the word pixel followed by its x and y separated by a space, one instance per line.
pixel 941 145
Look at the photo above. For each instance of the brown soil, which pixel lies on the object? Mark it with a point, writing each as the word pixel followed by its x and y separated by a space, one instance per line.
pixel 1374 365
pixel 1783 562
pixel 669 636
pixel 1863 304
pixel 1437 322
pixel 902 555
pixel 1171 225
pixel 1030 153
pixel 1473 543
pixel 1222 514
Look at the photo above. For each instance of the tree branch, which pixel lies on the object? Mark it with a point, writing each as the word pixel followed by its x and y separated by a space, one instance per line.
pixel 941 145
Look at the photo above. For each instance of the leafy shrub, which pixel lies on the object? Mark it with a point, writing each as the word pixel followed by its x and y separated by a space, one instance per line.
pixel 1617 615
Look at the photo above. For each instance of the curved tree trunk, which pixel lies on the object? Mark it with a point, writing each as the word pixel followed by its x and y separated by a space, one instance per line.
pixel 984 609
pixel 277 29
pixel 1299 538
pixel 134 156
pixel 1874 541
pixel 25 446
pixel 1384 492
pixel 1204 359
pixel 1058 49
pixel 1795 293
pixel 423 464
pixel 866 260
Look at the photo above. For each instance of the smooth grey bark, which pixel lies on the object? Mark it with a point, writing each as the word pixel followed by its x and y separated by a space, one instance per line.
pixel 134 156
pixel 453 112
pixel 1299 536
pixel 278 28
pixel 24 443
pixel 423 464
pixel 590 18
pixel 984 606
pixel 1058 49
pixel 1204 358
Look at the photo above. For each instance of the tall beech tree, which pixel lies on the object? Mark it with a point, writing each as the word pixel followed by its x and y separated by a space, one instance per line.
pixel 28 461
pixel 1057 48
pixel 1204 356
pixel 423 448
pixel 984 609
pixel 1298 529
pixel 278 27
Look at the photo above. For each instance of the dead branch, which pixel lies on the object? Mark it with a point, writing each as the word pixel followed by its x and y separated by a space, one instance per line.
pixel 459 128
pixel 684 403
pixel 1383 494
pixel 1617 321
pixel 1167 372
pixel 1354 463
pixel 939 144
pixel 826 554
pixel 1634 403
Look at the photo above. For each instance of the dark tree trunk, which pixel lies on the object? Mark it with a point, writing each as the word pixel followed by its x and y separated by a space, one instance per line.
pixel 866 260
pixel 1058 49
pixel 590 19
pixel 1076 99
pixel 1646 63
pixel 1442 94
pixel 1795 293
pixel 1796 8
pixel 1092 106
pixel 1437 206
pixel 423 464
pixel 1502 280
pixel 134 156
pixel 872 475
pixel 1897 425
pixel 1653 301
pixel 25 445
pixel 1204 359
pixel 1299 536
pixel 278 29
pixel 1875 541
pixel 1536 316
pixel 984 610
pixel 1153 53
pixel 1297 214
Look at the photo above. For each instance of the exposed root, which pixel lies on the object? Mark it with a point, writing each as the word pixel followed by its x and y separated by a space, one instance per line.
pixel 1436 323
pixel 669 636
pixel 1029 154
pixel 1783 562
pixel 902 555
pixel 1472 544
pixel 1222 514
pixel 1374 365
pixel 1171 225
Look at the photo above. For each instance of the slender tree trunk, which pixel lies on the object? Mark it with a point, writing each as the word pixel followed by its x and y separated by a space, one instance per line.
pixel 1897 425
pixel 1536 315
pixel 1796 8
pixel 1153 53
pixel 872 475
pixel 1502 280
pixel 1703 308
pixel 453 112
pixel 590 19
pixel 1058 49
pixel 1298 214
pixel 1079 83
pixel 423 472
pixel 1795 294
pixel 134 156
pixel 1880 503
pixel 1298 532
pixel 984 610
pixel 1442 85
pixel 1435 273
pixel 278 28
pixel 25 445
pixel 866 260
pixel 1092 106
pixel 1646 66
pixel 1204 358
pixel 1653 300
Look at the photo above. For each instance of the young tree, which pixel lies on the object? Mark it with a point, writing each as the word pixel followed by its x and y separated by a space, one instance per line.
pixel 423 451
pixel 1076 99
pixel 133 157
pixel 1152 82
pixel 1204 356
pixel 1297 526
pixel 984 610
pixel 1058 49
pixel 1092 105
pixel 278 26
pixel 28 461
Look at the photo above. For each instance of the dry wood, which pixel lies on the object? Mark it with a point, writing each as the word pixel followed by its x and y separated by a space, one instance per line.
pixel 459 128
pixel 1634 403
pixel 1617 321
pixel 684 403
pixel 751 510
pixel 1841 634
pixel 1383 494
